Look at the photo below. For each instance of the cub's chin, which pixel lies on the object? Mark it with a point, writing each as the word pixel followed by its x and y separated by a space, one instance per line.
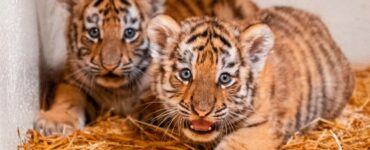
pixel 203 137
pixel 111 81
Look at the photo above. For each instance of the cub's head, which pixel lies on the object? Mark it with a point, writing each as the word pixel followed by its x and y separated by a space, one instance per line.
pixel 206 70
pixel 107 41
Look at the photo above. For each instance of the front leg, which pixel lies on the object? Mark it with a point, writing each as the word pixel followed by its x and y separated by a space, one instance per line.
pixel 254 138
pixel 67 112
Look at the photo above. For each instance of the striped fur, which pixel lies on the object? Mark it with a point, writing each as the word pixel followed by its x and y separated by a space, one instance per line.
pixel 108 57
pixel 276 89
pixel 232 10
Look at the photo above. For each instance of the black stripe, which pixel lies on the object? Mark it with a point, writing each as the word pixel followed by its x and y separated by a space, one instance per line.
pixel 251 78
pixel 105 12
pixel 237 10
pixel 126 2
pixel 327 102
pixel 223 39
pixel 97 3
pixel 124 9
pixel 194 9
pixel 309 99
pixel 74 33
pixel 221 109
pixel 187 7
pixel 230 65
pixel 199 48
pixel 114 7
pixel 90 19
pixel 201 5
pixel 239 101
pixel 197 26
pixel 133 20
pixel 213 3
pixel 194 37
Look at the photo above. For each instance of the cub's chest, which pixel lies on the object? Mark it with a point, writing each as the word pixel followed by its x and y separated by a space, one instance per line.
pixel 120 101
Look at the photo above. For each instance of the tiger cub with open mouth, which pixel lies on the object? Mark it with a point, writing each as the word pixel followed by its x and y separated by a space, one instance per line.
pixel 247 87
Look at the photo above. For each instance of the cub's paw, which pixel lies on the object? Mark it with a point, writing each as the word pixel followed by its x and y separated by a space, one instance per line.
pixel 57 123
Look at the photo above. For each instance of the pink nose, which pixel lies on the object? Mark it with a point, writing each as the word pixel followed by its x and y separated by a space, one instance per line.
pixel 110 67
pixel 202 112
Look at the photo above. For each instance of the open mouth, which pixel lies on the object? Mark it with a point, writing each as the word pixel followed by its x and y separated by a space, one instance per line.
pixel 201 126
pixel 111 75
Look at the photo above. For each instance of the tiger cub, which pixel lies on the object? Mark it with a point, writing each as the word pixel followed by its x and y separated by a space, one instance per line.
pixel 106 68
pixel 247 86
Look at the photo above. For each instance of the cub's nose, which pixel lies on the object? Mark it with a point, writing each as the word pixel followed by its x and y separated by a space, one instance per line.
pixel 110 67
pixel 202 112
pixel 110 55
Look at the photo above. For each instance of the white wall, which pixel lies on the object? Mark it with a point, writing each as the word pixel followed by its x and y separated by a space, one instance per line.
pixel 19 69
pixel 52 19
pixel 348 21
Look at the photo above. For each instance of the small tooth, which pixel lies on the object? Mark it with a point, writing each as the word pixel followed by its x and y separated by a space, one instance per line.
pixel 210 128
pixel 191 126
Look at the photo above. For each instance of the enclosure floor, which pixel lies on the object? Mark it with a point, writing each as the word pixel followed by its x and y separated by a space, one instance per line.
pixel 351 131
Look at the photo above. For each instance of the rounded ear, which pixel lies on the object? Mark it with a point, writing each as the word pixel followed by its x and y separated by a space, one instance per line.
pixel 257 40
pixel 162 30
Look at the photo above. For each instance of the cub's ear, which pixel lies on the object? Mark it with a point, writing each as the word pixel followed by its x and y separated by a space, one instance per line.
pixel 152 7
pixel 162 31
pixel 69 4
pixel 257 40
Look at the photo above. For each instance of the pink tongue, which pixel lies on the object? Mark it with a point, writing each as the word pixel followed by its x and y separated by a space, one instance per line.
pixel 201 125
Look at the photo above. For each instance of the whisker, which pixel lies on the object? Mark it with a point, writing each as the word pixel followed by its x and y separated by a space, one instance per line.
pixel 163 115
pixel 78 71
pixel 169 125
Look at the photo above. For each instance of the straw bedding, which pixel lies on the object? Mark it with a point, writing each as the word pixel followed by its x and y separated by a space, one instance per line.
pixel 351 131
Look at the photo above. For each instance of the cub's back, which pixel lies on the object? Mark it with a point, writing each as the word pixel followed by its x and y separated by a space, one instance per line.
pixel 230 10
pixel 306 75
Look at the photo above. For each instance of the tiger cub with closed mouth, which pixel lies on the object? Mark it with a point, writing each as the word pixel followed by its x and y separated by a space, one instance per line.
pixel 247 87
pixel 106 66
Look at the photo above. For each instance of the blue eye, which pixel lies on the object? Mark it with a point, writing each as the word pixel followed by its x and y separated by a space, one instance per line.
pixel 185 74
pixel 129 33
pixel 224 78
pixel 94 32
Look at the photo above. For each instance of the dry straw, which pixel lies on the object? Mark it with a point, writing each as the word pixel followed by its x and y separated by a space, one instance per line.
pixel 351 131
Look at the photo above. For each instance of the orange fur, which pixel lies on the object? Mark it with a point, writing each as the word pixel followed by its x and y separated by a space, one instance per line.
pixel 107 61
pixel 286 71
